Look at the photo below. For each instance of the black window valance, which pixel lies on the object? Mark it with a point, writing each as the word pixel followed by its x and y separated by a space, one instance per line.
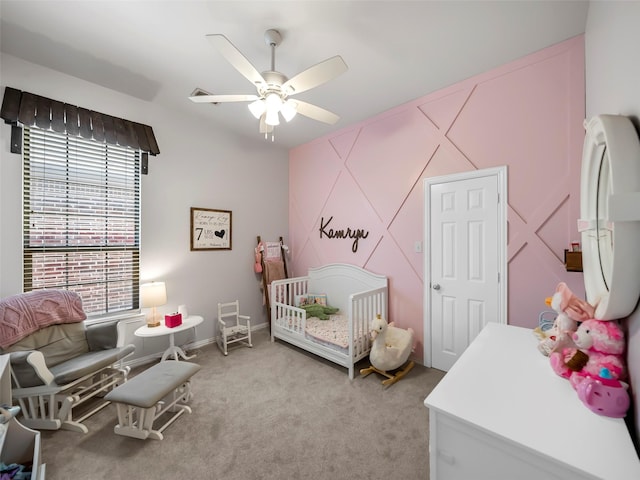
pixel 30 109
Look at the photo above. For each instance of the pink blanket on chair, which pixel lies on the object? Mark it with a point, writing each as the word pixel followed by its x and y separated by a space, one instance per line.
pixel 25 313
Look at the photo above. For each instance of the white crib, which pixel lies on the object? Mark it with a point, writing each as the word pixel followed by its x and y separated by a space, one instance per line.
pixel 359 294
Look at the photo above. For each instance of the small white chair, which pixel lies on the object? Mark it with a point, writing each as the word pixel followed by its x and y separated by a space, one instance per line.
pixel 231 330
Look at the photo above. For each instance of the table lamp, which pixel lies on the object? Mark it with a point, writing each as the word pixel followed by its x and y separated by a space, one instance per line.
pixel 153 295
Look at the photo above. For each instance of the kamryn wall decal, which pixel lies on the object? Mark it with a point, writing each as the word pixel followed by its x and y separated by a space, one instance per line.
pixel 356 234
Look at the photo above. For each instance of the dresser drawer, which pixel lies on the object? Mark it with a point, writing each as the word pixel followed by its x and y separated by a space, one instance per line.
pixel 461 451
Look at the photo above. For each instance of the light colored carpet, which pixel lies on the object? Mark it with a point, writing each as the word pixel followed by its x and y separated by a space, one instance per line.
pixel 267 412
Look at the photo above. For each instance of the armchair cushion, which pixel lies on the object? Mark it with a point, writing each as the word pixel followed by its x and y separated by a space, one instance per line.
pixel 58 343
pixel 30 368
pixel 77 367
pixel 70 351
pixel 102 336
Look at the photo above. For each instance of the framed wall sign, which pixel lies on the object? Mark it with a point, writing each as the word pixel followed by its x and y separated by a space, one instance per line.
pixel 210 229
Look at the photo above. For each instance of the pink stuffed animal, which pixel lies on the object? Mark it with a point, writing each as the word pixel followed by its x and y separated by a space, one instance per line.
pixel 600 344
pixel 604 395
pixel 565 301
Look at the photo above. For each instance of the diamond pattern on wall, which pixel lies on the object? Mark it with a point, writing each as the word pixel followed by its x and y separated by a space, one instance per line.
pixel 526 115
pixel 552 230
pixel 404 228
pixel 313 169
pixel 520 119
pixel 443 111
pixel 344 143
pixel 406 141
pixel 298 240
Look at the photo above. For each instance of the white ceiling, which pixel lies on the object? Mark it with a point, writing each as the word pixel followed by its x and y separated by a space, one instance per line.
pixel 396 50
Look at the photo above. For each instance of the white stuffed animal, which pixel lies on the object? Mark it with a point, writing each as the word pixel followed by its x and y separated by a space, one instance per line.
pixel 391 345
pixel 570 310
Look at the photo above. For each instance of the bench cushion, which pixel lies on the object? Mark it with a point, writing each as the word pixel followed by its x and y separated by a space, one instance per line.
pixel 152 385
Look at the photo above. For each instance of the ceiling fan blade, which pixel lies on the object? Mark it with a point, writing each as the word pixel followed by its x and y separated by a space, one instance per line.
pixel 314 76
pixel 222 98
pixel 316 113
pixel 236 58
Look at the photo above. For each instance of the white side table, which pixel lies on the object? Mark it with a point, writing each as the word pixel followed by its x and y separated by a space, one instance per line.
pixel 189 322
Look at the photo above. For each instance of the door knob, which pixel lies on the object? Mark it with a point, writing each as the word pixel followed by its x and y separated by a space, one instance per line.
pixel 436 286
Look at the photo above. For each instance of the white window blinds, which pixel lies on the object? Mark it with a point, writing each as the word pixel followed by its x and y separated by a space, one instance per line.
pixel 82 219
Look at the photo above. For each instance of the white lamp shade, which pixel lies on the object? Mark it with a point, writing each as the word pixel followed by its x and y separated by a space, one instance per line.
pixel 272 117
pixel 288 110
pixel 257 108
pixel 153 294
pixel 273 101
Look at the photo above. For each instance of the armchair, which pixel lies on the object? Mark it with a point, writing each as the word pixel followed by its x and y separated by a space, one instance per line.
pixel 56 367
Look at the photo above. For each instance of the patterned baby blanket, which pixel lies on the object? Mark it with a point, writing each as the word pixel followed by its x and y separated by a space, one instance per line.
pixel 25 313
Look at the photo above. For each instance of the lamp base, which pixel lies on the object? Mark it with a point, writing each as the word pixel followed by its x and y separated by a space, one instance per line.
pixel 153 320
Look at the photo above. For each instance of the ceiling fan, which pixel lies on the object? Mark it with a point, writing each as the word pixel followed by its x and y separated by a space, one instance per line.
pixel 274 88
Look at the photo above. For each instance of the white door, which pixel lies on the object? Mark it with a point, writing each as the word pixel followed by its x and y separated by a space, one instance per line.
pixel 465 267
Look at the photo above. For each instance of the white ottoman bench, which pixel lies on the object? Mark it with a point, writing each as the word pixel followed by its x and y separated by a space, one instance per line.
pixel 145 397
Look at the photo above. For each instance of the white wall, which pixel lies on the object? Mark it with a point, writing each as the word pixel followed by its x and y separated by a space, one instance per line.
pixel 198 166
pixel 612 38
pixel 612 67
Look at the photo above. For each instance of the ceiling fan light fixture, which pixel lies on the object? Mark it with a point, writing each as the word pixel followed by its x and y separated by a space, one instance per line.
pixel 257 108
pixel 273 101
pixel 272 117
pixel 288 110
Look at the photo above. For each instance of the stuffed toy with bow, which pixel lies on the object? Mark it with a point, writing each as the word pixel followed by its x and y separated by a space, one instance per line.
pixel 601 344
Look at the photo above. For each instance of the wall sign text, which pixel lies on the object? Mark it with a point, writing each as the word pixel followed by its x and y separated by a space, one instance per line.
pixel 356 234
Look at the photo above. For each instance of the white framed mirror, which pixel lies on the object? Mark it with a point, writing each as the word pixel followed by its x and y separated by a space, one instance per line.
pixel 610 215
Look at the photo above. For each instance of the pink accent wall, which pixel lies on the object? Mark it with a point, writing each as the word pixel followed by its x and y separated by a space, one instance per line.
pixel 527 115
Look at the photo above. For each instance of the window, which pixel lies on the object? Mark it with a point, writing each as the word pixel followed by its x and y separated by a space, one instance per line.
pixel 82 219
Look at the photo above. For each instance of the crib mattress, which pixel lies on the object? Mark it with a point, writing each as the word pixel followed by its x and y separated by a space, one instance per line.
pixel 333 332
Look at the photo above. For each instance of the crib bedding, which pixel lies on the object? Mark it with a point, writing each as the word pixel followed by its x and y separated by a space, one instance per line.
pixel 332 333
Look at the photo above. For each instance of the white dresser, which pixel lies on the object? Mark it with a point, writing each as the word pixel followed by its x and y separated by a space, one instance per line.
pixel 18 444
pixel 502 413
